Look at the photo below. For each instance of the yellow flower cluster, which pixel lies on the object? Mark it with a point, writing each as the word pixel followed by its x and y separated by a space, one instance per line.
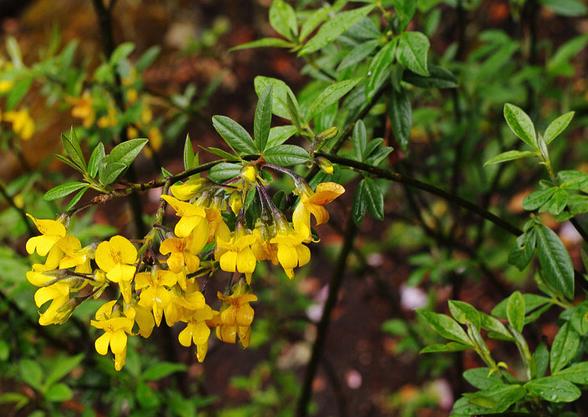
pixel 22 122
pixel 171 287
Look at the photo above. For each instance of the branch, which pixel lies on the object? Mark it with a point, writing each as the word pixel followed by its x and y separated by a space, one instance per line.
pixel 413 182
pixel 323 326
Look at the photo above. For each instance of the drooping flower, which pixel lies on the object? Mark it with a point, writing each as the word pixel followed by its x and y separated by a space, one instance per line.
pixel 197 331
pixel 117 257
pixel 155 290
pixel 187 190
pixel 192 217
pixel 116 327
pixel 312 203
pixel 291 251
pixel 233 251
pixel 236 317
pixel 51 231
pixel 183 252
pixel 60 308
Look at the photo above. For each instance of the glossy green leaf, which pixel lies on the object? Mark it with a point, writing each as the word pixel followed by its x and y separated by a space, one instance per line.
pixel 564 348
pixel 400 111
pixel 279 135
pixel 509 156
pixel 359 140
pixel 557 126
pixel 282 18
pixel 439 77
pixel 330 95
pixel 482 378
pixel 515 311
pixel 445 326
pixel 553 389
pixel 63 190
pixel 413 49
pixel 234 135
pixel 109 172
pixel 264 43
pixel 286 155
pixel 577 373
pixel 465 313
pixel 280 94
pixel 96 159
pixel 447 347
pixel 334 28
pixel 71 146
pixel 126 152
pixel 557 269
pixel 520 124
pixel 378 70
pixel 358 54
pixel 263 118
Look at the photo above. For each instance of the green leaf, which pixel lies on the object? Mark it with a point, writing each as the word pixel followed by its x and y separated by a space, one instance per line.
pixel 405 10
pixel 64 190
pixel 465 313
pixel 358 54
pixel 19 400
pixel 520 124
pixel 439 77
pixel 126 152
pixel 110 171
pixel 263 119
pixel 445 326
pixel 556 265
pixel 532 302
pixel 224 171
pixel 577 373
pixel 482 378
pixel 188 154
pixel 538 198
pixel 31 373
pixel 282 17
pixel 559 64
pixel 75 199
pixel 374 198
pixel 280 94
pixel 18 90
pixel 359 140
pixel 494 326
pixel 234 135
pixel 564 348
pixel 448 347
pixel 264 43
pixel 71 146
pixel 122 51
pixel 359 208
pixel 379 67
pixel 566 7
pixel 413 48
pixel 96 160
pixel 539 361
pixel 509 156
pixel 286 155
pixel 161 370
pixel 494 400
pixel 557 126
pixel 553 389
pixel 146 397
pixel 330 95
pixel 313 20
pixel 148 58
pixel 221 153
pixel 401 117
pixel 334 28
pixel 59 393
pixel 62 367
pixel 515 311
pixel 279 135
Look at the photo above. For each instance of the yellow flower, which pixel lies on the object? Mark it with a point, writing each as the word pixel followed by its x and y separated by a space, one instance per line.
pixel 82 109
pixel 155 293
pixel 51 231
pixel 233 251
pixel 60 309
pixel 109 120
pixel 22 123
pixel 197 331
pixel 187 190
pixel 182 306
pixel 236 317
pixel 116 327
pixel 5 86
pixel 144 319
pixel 249 174
pixel 291 252
pixel 182 252
pixel 262 248
pixel 117 258
pixel 313 203
pixel 192 217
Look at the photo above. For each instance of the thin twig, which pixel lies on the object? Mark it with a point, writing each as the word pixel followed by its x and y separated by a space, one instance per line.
pixel 323 326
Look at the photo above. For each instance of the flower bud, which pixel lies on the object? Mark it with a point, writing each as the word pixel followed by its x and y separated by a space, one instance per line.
pixel 327 134
pixel 249 173
pixel 236 202
pixel 325 165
